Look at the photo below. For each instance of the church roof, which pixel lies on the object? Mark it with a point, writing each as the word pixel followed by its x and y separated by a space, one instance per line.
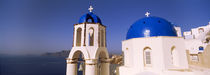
pixel 149 27
pixel 90 17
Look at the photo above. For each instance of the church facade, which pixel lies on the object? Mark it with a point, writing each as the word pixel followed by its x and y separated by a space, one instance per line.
pixel 153 46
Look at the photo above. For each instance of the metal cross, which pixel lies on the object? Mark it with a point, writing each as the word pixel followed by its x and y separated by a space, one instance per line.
pixel 147 14
pixel 90 8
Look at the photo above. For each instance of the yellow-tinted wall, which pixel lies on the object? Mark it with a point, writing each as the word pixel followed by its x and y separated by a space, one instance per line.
pixel 203 58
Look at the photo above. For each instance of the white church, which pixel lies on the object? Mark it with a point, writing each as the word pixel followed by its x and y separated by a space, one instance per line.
pixel 153 46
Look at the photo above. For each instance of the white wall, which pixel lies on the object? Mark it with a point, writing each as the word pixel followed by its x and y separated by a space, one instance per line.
pixel 160 56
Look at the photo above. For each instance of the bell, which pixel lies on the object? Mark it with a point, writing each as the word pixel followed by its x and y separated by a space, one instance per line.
pixel 80 67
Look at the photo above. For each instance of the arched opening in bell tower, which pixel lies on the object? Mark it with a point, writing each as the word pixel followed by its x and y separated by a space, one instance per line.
pixel 102 38
pixel 103 64
pixel 78 37
pixel 79 58
pixel 90 19
pixel 91 36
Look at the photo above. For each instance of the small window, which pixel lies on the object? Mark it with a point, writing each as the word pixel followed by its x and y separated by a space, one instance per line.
pixel 174 57
pixel 90 20
pixel 201 48
pixel 147 56
pixel 194 57
pixel 200 30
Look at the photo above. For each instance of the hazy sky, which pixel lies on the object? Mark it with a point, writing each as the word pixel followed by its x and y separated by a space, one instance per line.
pixel 36 26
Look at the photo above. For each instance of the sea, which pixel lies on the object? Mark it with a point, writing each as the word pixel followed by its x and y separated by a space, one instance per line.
pixel 33 65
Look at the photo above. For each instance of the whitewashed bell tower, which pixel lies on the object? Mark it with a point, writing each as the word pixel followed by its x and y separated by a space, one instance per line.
pixel 89 42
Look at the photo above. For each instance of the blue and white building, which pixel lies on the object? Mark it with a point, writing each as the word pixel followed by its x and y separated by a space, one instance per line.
pixel 153 46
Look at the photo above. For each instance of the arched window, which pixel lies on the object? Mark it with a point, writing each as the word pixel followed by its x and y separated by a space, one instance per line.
pixel 174 56
pixel 79 60
pixel 78 37
pixel 147 56
pixel 99 39
pixel 200 30
pixel 102 38
pixel 91 36
pixel 201 48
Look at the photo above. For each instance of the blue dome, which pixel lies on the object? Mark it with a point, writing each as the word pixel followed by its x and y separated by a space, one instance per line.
pixel 149 27
pixel 90 17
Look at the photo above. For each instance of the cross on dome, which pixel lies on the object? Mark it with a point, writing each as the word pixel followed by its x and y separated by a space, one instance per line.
pixel 90 8
pixel 147 14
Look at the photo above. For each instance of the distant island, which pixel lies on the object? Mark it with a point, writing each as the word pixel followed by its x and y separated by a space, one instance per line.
pixel 63 53
pixel 114 58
